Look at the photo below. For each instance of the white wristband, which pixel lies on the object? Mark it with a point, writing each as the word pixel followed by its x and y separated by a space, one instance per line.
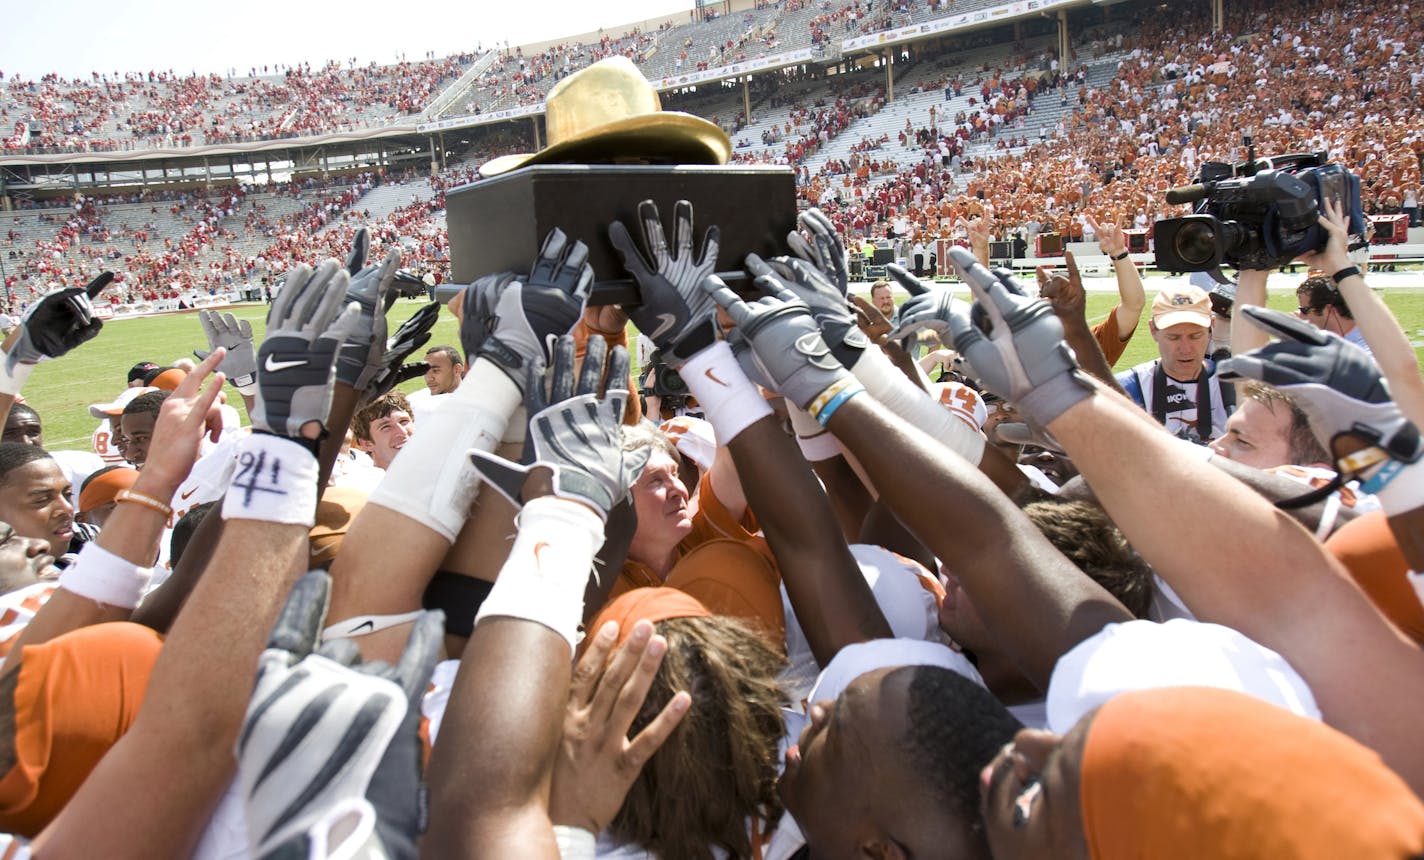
pixel 575 843
pixel 1405 490
pixel 432 480
pixel 275 482
pixel 104 577
pixel 543 579
pixel 816 442
pixel 895 392
pixel 12 380
pixel 731 401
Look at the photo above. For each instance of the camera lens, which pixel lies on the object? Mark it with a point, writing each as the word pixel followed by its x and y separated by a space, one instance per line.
pixel 673 382
pixel 1196 243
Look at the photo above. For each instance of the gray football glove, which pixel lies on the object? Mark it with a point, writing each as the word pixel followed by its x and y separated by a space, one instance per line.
pixel 929 307
pixel 412 335
pixel 1336 384
pixel 326 734
pixel 58 323
pixel 1015 344
pixel 234 335
pixel 514 322
pixel 575 433
pixel 787 353
pixel 296 365
pixel 360 358
pixel 674 312
pixel 823 250
pixel 826 301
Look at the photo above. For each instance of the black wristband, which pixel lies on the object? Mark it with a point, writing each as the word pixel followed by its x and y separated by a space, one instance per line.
pixel 1119 257
pixel 1344 273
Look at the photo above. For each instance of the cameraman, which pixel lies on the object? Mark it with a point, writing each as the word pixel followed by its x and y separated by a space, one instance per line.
pixel 1180 388
pixel 665 395
pixel 1322 306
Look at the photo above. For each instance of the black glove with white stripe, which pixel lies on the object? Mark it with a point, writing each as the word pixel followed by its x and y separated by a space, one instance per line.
pixel 331 744
pixel 675 311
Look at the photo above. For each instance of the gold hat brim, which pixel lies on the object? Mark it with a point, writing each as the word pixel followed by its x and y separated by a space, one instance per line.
pixel 666 136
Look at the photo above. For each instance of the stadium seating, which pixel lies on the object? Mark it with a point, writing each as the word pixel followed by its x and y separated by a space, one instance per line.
pixel 1144 101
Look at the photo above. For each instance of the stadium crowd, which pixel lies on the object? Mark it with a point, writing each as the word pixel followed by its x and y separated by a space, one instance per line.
pixel 1337 80
pixel 1149 128
pixel 114 112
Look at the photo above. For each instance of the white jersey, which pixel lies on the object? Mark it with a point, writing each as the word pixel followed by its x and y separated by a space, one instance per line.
pixel 102 443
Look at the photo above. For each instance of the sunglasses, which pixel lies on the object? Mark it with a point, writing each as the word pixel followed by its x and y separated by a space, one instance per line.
pixel 1305 312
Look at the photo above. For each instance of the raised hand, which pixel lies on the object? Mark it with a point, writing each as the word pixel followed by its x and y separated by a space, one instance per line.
pixel 361 357
pixel 1111 239
pixel 412 335
pixel 674 312
pixel 227 332
pixel 363 763
pixel 597 762
pixel 1064 294
pixel 1334 382
pixel 827 302
pixel 783 343
pixel 515 322
pixel 1334 220
pixel 1015 344
pixel 928 307
pixel 297 361
pixel 872 322
pixel 823 249
pixel 57 323
pixel 186 416
pixel 576 434
pixel 980 231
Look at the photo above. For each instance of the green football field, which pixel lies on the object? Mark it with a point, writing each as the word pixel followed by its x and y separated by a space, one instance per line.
pixel 61 391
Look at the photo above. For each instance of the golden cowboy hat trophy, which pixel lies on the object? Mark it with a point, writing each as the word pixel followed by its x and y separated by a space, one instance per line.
pixel 609 113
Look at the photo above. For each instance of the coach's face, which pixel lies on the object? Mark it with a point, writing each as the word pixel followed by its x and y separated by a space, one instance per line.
pixel 660 500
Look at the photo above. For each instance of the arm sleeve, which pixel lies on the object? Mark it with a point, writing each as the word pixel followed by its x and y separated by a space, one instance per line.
pixel 1109 338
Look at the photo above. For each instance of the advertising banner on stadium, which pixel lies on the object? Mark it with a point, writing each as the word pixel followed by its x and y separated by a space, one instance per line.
pixel 761 63
pixel 952 22
pixel 481 118
pixel 774 62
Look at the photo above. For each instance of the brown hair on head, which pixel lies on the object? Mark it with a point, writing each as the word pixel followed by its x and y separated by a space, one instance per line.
pixel 1302 447
pixel 1084 533
pixel 719 767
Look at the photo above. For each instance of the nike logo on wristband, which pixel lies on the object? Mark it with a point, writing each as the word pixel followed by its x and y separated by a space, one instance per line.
pixel 274 366
pixel 708 373
pixel 367 624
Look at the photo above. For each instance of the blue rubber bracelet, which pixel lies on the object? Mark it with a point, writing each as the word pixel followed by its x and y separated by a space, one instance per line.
pixel 1388 472
pixel 829 409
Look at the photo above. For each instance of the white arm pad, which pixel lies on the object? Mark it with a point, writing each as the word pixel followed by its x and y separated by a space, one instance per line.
pixel 888 385
pixel 543 579
pixel 432 480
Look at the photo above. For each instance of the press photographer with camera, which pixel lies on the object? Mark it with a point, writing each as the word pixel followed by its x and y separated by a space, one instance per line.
pixel 1180 388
